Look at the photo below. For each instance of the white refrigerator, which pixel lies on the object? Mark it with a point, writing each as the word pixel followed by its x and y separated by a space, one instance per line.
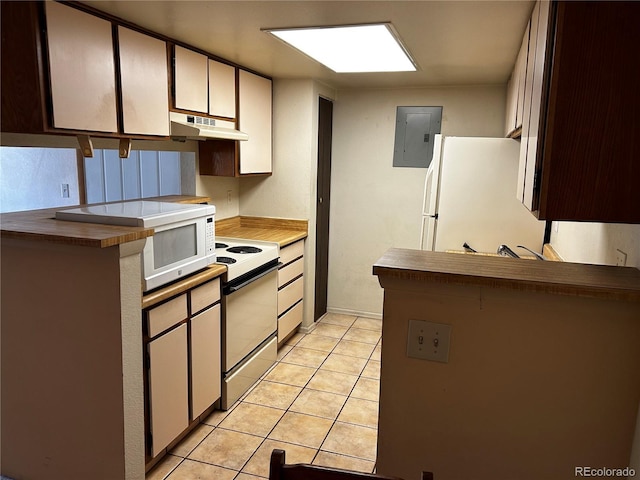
pixel 470 197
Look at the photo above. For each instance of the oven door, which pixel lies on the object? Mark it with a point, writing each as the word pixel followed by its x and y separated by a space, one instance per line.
pixel 251 314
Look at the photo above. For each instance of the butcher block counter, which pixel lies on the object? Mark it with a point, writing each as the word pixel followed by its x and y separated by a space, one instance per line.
pixel 281 231
pixel 541 374
pixel 599 281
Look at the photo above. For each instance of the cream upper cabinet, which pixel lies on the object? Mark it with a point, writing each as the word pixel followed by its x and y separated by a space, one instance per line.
pixel 222 90
pixel 532 103
pixel 255 101
pixel 515 90
pixel 145 88
pixel 191 80
pixel 82 69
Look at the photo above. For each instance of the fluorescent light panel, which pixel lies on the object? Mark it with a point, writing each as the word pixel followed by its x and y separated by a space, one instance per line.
pixel 350 49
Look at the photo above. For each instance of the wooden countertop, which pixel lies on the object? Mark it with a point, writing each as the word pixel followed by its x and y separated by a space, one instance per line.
pixel 153 298
pixel 281 231
pixel 562 278
pixel 41 225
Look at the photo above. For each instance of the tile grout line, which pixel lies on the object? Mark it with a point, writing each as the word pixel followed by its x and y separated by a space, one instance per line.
pixel 287 410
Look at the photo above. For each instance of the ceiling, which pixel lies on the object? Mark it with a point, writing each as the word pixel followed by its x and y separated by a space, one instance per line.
pixel 453 42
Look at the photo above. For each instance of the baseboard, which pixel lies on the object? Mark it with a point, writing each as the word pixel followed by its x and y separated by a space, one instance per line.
pixel 355 313
pixel 306 328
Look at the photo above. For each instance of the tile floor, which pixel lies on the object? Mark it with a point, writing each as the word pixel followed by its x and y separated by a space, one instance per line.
pixel 319 403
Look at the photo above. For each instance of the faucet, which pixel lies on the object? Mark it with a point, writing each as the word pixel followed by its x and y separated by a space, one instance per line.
pixel 537 255
pixel 507 252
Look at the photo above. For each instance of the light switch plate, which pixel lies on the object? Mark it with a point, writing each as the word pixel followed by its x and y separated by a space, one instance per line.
pixel 428 340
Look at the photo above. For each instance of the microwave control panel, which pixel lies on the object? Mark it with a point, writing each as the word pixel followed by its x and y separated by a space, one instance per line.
pixel 210 236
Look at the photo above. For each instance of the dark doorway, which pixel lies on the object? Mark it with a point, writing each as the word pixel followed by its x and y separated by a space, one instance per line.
pixel 325 122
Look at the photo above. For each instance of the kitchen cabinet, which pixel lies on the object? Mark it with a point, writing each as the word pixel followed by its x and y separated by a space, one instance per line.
pixel 516 89
pixel 168 388
pixel 579 151
pixel 539 28
pixel 203 85
pixel 145 87
pixel 61 74
pixel 290 289
pixel 183 364
pixel 222 90
pixel 249 157
pixel 255 108
pixel 81 69
pixel 190 78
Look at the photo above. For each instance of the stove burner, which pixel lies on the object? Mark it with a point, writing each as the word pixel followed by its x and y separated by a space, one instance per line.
pixel 221 245
pixel 244 249
pixel 228 260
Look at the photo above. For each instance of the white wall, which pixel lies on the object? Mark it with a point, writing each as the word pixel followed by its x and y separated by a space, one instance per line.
pixel 596 242
pixel 32 178
pixel 220 190
pixel 374 206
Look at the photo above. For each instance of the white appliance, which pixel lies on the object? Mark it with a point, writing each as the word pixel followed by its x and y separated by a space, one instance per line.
pixel 183 241
pixel 470 197
pixel 250 319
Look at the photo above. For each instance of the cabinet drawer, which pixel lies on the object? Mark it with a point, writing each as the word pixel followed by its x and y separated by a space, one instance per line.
pixel 290 295
pixel 205 295
pixel 289 321
pixel 291 271
pixel 291 252
pixel 167 315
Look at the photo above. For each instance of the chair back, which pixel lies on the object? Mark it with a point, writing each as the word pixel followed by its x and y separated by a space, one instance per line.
pixel 279 470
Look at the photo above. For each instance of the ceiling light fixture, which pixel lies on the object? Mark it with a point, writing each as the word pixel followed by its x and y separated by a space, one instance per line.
pixel 350 48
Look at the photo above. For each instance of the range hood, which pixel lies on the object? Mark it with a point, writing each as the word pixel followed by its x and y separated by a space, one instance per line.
pixel 192 127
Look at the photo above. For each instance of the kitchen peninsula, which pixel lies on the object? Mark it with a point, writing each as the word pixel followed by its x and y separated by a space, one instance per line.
pixel 72 374
pixel 542 373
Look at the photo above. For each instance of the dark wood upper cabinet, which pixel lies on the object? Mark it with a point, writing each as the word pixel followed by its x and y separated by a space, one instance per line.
pixel 67 71
pixel 582 142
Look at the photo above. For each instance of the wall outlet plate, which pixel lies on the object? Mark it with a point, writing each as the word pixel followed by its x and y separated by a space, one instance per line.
pixel 621 258
pixel 428 340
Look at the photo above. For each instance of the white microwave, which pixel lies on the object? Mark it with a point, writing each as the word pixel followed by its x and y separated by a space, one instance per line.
pixel 183 241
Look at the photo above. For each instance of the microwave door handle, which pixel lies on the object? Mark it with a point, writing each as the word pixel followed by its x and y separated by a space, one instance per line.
pixel 235 288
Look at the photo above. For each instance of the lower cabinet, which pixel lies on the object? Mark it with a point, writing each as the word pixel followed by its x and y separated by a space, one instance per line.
pixel 290 289
pixel 205 360
pixel 183 361
pixel 168 388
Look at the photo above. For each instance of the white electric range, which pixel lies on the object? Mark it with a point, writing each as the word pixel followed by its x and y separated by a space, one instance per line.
pixel 243 256
pixel 250 313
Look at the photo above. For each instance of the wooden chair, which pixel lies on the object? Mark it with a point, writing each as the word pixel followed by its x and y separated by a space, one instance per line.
pixel 278 470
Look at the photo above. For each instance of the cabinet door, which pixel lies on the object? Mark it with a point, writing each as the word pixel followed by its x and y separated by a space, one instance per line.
pixel 532 103
pixel 206 369
pixel 145 88
pixel 222 90
pixel 82 69
pixel 521 69
pixel 168 388
pixel 516 87
pixel 255 120
pixel 190 80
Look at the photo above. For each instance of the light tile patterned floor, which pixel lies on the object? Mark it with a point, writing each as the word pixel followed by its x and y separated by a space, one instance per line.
pixel 319 403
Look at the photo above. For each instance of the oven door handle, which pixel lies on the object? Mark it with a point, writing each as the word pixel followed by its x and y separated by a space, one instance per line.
pixel 234 288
